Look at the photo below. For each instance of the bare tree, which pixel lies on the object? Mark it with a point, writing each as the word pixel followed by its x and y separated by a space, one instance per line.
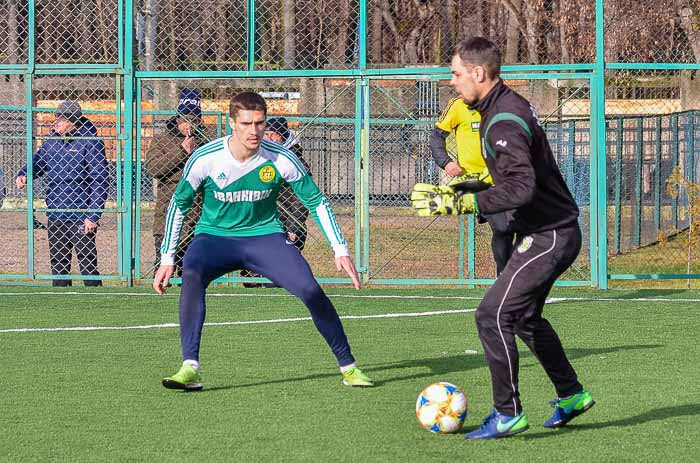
pixel 513 31
pixel 289 31
pixel 689 13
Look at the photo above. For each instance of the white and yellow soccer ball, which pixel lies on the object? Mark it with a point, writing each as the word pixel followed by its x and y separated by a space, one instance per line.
pixel 441 408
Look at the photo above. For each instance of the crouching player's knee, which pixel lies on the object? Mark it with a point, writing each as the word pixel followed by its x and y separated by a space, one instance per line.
pixel 310 293
pixel 193 269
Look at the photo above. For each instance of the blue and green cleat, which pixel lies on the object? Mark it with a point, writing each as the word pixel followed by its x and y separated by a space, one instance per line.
pixel 568 408
pixel 497 425
pixel 186 379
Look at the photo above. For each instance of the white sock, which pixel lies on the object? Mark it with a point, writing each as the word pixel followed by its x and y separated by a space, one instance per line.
pixel 347 367
pixel 193 363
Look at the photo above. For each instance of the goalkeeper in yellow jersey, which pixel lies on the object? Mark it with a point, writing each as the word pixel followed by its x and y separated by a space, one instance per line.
pixel 469 169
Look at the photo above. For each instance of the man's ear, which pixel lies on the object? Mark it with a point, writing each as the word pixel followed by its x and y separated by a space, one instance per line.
pixel 480 74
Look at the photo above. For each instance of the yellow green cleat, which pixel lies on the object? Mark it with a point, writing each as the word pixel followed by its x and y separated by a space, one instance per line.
pixel 355 377
pixel 186 379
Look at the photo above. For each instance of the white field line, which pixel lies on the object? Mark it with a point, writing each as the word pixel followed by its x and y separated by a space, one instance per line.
pixel 551 300
pixel 246 322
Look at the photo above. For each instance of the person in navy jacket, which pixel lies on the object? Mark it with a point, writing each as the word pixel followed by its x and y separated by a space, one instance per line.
pixel 75 168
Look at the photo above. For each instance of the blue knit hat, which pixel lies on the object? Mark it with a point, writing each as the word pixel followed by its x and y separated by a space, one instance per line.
pixel 278 125
pixel 190 102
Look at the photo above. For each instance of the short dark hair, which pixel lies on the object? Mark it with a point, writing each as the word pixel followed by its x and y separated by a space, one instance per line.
pixel 480 52
pixel 247 101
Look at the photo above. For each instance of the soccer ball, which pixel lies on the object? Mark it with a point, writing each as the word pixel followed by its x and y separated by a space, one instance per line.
pixel 441 408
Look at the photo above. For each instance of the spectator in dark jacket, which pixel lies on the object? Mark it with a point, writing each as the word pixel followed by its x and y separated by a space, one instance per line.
pixel 166 159
pixel 76 170
pixel 293 214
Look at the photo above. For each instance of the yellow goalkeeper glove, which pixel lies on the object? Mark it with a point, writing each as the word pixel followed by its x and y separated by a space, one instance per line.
pixel 472 182
pixel 431 200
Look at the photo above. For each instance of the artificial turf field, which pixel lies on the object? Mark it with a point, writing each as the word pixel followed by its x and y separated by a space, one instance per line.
pixel 273 392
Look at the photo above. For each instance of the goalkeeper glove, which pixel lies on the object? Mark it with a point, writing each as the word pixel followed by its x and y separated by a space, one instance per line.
pixel 472 182
pixel 431 200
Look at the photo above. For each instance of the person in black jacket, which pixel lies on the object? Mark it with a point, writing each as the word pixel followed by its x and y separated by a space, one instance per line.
pixel 548 239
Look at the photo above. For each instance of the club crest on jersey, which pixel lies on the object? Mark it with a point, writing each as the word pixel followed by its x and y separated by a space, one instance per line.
pixel 475 126
pixel 525 244
pixel 267 174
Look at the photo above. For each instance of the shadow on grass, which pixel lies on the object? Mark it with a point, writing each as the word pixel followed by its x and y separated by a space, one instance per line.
pixel 576 353
pixel 434 366
pixel 651 415
pixel 644 293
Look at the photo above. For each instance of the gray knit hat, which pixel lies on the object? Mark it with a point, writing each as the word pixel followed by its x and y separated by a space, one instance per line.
pixel 70 110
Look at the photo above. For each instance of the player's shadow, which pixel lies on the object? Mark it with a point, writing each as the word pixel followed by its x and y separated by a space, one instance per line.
pixel 644 293
pixel 434 366
pixel 272 381
pixel 574 353
pixel 658 414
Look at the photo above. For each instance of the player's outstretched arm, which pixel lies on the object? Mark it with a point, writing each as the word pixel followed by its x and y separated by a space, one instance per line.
pixel 162 278
pixel 345 263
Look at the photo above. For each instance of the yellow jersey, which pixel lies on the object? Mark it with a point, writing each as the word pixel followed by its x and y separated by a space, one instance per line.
pixel 464 122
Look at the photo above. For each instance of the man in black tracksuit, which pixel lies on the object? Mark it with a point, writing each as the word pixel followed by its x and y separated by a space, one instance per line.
pixel 548 239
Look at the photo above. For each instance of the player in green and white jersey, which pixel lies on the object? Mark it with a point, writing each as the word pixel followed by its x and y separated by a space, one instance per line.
pixel 239 177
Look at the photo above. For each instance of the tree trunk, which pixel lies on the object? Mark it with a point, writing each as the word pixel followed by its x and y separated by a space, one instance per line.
pixel 480 19
pixel 150 14
pixel 102 35
pixel 13 92
pixel 221 38
pixel 691 25
pixel 289 31
pixel 512 34
pixel 565 57
pixel 375 33
pixel 13 47
pixel 493 14
pixel 446 43
pixel 173 45
pixel 343 23
pixel 532 19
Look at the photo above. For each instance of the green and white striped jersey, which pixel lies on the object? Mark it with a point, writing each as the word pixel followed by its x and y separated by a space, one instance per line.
pixel 240 199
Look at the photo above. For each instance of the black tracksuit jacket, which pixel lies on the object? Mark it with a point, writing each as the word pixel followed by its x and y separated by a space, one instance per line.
pixel 522 165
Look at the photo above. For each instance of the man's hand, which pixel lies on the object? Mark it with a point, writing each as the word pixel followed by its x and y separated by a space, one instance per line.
pixel 345 263
pixel 189 143
pixel 90 227
pixel 21 181
pixel 453 169
pixel 293 237
pixel 432 200
pixel 162 278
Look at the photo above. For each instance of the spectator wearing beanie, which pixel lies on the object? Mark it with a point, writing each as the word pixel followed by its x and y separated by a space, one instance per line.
pixel 75 167
pixel 166 158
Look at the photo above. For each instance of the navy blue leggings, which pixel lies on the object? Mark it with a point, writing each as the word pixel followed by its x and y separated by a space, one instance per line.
pixel 209 257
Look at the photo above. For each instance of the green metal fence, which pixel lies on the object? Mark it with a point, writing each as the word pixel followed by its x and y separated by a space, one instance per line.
pixel 362 83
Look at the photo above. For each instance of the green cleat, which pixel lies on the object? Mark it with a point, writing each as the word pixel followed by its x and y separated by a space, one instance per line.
pixel 186 379
pixel 355 377
pixel 568 408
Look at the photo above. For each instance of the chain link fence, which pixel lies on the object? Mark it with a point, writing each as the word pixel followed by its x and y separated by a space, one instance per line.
pixel 319 116
pixel 364 132
pixel 188 35
pixel 74 188
pixel 84 32
pixel 652 131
